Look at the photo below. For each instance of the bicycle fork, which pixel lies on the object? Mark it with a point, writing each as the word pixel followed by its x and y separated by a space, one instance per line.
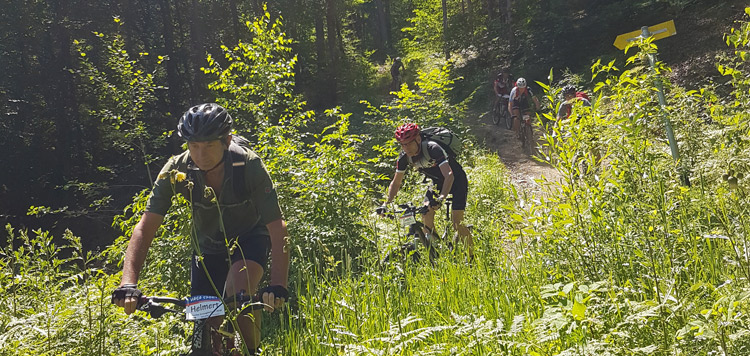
pixel 201 337
pixel 207 341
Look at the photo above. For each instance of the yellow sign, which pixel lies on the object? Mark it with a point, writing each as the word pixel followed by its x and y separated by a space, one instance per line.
pixel 662 30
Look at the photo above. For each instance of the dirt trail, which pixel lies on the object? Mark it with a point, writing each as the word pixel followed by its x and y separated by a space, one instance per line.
pixel 524 170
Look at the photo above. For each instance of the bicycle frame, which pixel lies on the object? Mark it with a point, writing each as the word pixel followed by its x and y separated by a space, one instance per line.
pixel 416 229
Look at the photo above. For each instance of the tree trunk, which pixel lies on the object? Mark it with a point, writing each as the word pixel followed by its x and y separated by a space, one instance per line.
pixel 381 30
pixel 387 18
pixel 197 49
pixel 61 92
pixel 131 29
pixel 173 76
pixel 445 29
pixel 332 68
pixel 508 12
pixel 236 22
pixel 509 22
pixel 320 42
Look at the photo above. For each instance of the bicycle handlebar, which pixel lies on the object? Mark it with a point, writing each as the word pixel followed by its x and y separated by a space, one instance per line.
pixel 411 208
pixel 153 304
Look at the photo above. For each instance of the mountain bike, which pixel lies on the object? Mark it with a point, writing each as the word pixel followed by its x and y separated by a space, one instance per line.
pixel 500 113
pixel 416 231
pixel 206 340
pixel 527 134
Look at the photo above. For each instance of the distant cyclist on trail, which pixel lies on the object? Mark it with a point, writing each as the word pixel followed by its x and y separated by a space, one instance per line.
pixel 251 217
pixel 570 97
pixel 520 102
pixel 396 68
pixel 502 85
pixel 434 162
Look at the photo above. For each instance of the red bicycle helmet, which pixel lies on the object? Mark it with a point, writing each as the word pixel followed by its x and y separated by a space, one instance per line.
pixel 407 132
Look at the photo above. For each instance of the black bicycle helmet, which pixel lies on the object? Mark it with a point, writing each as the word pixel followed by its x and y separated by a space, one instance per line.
pixel 205 122
pixel 568 89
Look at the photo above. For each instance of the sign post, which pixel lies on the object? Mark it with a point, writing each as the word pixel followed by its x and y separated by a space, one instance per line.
pixel 659 31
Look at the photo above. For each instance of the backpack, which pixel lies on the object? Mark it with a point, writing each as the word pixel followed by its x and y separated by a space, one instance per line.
pixel 445 138
pixel 238 174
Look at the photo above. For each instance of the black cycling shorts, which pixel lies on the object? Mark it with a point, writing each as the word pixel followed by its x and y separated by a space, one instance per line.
pixel 254 246
pixel 523 106
pixel 459 190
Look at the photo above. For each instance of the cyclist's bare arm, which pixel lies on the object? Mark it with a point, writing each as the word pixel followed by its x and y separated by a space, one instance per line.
pixel 395 185
pixel 445 168
pixel 536 102
pixel 279 261
pixel 135 255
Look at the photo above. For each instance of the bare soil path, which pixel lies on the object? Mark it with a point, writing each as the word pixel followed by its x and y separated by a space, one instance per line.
pixel 524 169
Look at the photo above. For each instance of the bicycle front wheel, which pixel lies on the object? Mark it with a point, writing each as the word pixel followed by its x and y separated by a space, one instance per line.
pixel 496 116
pixel 508 119
pixel 427 243
pixel 528 139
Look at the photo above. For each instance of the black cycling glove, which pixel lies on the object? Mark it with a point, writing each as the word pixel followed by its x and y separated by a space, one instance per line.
pixel 433 199
pixel 381 210
pixel 277 290
pixel 125 291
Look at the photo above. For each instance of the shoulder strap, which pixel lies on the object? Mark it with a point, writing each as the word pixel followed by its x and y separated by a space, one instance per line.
pixel 192 172
pixel 238 170
pixel 425 154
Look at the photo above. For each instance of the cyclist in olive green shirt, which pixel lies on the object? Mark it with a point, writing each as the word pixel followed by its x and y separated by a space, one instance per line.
pixel 248 212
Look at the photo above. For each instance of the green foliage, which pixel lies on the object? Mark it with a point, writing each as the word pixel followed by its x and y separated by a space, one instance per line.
pixel 613 257
pixel 258 81
pixel 427 104
pixel 324 188
pixel 425 35
pixel 57 300
pixel 661 252
pixel 119 90
pixel 167 265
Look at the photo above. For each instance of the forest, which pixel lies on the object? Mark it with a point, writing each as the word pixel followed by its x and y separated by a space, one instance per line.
pixel 624 250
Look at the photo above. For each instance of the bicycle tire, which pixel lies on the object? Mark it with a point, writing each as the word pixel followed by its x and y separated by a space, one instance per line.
pixel 528 139
pixel 428 245
pixel 400 254
pixel 496 116
pixel 202 342
pixel 508 120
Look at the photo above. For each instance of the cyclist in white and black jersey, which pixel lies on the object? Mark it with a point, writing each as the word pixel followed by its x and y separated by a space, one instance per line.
pixel 521 99
pixel 434 162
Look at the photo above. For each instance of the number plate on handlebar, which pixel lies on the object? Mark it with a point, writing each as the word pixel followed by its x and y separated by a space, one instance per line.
pixel 408 219
pixel 203 307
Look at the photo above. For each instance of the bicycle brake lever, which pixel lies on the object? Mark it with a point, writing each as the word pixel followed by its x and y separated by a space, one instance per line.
pixel 155 310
